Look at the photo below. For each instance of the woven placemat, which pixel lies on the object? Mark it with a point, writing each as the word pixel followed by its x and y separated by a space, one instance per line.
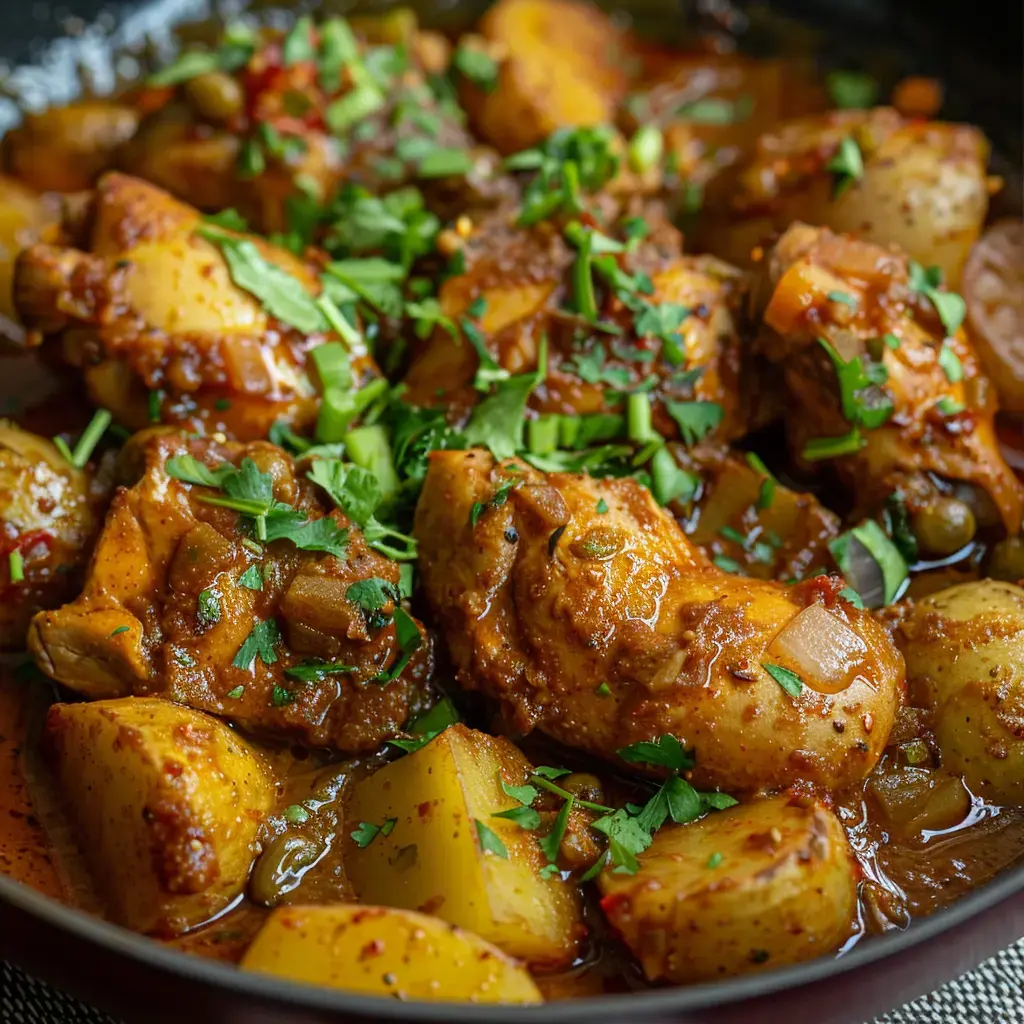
pixel 991 994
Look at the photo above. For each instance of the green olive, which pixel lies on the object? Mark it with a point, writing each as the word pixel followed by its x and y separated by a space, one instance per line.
pixel 1006 560
pixel 281 866
pixel 944 526
pixel 214 96
pixel 583 786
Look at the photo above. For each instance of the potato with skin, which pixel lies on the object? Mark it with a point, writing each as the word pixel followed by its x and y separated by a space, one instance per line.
pixel 49 515
pixel 571 582
pixel 147 304
pixel 561 64
pixel 751 888
pixel 964 648
pixel 923 186
pixel 386 952
pixel 166 803
pixel 432 859
pixel 65 149
pixel 934 435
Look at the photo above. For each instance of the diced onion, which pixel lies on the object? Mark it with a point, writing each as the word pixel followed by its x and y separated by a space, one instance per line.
pixel 821 649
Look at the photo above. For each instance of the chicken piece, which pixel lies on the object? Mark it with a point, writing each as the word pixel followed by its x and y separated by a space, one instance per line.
pixel 742 515
pixel 25 217
pixel 151 306
pixel 915 414
pixel 917 184
pixel 561 64
pixel 543 596
pixel 284 128
pixel 513 293
pixel 67 148
pixel 49 515
pixel 712 107
pixel 181 602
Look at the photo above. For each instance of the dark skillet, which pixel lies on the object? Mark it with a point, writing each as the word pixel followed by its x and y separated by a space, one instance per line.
pixel 979 59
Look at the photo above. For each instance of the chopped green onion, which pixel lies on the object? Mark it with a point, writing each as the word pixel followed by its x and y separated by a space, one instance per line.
pixel 820 448
pixel 542 434
pixel 332 366
pixel 338 322
pixel 646 148
pixel 370 448
pixel 583 280
pixel 638 418
pixel 16 565
pixel 87 442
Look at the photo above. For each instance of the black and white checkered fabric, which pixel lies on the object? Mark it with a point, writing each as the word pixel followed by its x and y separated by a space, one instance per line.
pixel 992 994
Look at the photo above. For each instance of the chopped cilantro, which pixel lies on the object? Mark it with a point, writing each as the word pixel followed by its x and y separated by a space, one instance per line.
pixel 260 642
pixel 490 841
pixel 788 680
pixel 847 166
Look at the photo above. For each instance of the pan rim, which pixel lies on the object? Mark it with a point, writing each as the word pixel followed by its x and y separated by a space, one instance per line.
pixel 132 946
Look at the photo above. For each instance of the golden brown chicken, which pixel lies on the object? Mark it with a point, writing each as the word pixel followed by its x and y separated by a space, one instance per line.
pixel 660 321
pixel 917 184
pixel 302 113
pixel 884 386
pixel 49 516
pixel 162 313
pixel 585 612
pixel 66 149
pixel 292 625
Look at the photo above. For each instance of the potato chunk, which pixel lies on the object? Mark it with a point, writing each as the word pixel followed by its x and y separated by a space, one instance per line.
pixel 964 648
pixel 166 803
pixel 563 65
pixel 433 860
pixel 387 952
pixel 917 184
pixel 762 884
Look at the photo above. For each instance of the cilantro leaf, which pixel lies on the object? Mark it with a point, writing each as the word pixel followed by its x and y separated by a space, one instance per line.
pixel 191 471
pixel 490 842
pixel 847 166
pixel 477 66
pixel 525 817
pixel 372 595
pixel 552 842
pixel 367 831
pixel 282 295
pixel 313 672
pixel 786 678
pixel 409 639
pixel 627 838
pixel 497 422
pixel 524 794
pixel 664 752
pixel 695 419
pixel 260 642
pixel 428 725
pixel 950 306
pixel 322 534
pixel 252 578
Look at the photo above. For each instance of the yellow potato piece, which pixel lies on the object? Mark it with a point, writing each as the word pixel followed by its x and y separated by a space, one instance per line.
pixel 432 859
pixel 166 803
pixel 564 66
pixel 388 952
pixel 964 648
pixel 758 885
